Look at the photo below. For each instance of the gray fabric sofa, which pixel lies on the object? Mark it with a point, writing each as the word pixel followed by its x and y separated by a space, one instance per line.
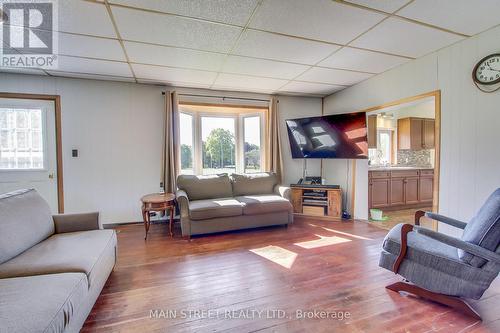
pixel 52 268
pixel 210 204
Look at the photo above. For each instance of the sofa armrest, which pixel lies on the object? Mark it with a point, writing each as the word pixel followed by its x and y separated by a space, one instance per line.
pixel 76 222
pixel 183 201
pixel 284 191
pixel 440 218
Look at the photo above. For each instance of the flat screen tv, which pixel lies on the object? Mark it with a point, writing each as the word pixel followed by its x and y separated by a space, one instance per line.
pixel 334 136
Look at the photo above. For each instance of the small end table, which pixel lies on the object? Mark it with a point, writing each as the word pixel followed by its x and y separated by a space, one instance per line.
pixel 158 202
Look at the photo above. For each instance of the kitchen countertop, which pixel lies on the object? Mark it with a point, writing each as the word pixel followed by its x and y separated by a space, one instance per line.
pixel 397 167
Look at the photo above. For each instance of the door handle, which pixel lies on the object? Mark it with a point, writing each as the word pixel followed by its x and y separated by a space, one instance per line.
pixel 51 175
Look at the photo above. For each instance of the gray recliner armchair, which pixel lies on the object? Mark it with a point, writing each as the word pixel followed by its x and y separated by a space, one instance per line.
pixel 446 269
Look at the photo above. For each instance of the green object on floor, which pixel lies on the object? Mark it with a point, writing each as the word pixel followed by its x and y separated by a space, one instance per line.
pixel 384 218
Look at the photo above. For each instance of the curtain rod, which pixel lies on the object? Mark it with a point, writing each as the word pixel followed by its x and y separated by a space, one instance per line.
pixel 223 97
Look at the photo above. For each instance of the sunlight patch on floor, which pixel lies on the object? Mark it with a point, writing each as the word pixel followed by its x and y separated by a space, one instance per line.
pixel 322 241
pixel 347 234
pixel 340 232
pixel 276 254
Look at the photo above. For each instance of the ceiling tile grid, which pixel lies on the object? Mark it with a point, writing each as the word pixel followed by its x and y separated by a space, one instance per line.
pixel 362 60
pixel 273 46
pixel 398 36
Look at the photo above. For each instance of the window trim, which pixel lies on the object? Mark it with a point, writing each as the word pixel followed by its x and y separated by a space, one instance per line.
pixel 239 131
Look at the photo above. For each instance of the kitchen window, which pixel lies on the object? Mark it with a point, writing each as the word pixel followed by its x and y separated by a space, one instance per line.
pixel 219 139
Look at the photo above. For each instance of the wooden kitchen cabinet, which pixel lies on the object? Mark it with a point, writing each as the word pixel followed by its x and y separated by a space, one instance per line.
pixel 411 191
pixel 428 133
pixel 416 133
pixel 397 191
pixel 400 188
pixel 372 131
pixel 378 192
pixel 426 188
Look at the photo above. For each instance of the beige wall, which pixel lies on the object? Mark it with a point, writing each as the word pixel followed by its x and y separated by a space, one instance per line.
pixel 470 156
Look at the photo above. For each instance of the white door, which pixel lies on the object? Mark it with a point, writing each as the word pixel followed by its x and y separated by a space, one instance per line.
pixel 28 156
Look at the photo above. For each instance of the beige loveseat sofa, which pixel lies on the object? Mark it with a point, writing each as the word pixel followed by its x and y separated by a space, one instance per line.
pixel 218 203
pixel 52 268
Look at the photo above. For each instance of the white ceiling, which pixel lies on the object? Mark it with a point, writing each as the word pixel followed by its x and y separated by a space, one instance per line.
pixel 313 47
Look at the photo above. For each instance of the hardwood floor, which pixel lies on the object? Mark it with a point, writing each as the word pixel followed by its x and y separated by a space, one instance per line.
pixel 312 265
pixel 403 216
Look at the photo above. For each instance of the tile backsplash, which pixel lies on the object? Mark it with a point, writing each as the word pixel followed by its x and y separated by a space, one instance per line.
pixel 417 158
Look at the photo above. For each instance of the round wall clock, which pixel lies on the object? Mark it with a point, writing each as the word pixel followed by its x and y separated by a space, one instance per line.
pixel 486 73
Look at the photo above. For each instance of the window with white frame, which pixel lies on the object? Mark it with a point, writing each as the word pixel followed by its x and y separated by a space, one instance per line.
pixel 21 139
pixel 384 145
pixel 221 139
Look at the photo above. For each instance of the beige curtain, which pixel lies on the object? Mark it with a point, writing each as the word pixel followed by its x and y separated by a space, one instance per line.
pixel 171 150
pixel 274 158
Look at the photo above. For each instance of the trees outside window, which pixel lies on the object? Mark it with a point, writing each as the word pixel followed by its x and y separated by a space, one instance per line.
pixel 221 142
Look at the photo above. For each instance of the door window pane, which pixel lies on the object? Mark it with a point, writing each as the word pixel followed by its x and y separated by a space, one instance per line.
pixel 21 139
pixel 186 132
pixel 218 145
pixel 252 144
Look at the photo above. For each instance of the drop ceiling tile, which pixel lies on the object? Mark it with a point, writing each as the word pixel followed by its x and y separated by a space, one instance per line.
pixel 20 70
pixel 91 66
pixel 388 6
pixel 361 60
pixel 227 11
pixel 174 84
pixel 169 30
pixel 85 17
pixel 91 76
pixel 333 76
pixel 283 48
pixel 464 16
pixel 311 88
pixel 401 37
pixel 92 47
pixel 260 67
pixel 321 19
pixel 175 57
pixel 248 82
pixel 168 75
pixel 245 90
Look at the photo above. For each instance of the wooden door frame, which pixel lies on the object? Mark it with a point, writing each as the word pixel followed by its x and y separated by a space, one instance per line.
pixel 57 108
pixel 437 136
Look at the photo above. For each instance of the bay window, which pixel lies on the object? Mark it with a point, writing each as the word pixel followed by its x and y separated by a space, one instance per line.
pixel 221 139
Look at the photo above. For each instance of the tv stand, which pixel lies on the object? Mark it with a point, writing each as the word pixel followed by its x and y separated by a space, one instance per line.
pixel 317 201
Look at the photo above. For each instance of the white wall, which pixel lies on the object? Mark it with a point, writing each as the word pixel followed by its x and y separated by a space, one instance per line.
pixel 291 107
pixel 117 128
pixel 470 123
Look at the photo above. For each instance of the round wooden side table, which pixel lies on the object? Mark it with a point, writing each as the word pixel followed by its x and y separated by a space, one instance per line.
pixel 158 202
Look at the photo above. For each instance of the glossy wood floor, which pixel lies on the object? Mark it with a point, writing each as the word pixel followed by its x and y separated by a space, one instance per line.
pixel 312 265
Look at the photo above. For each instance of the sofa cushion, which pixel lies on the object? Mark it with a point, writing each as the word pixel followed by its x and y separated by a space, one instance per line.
pixel 205 187
pixel 263 204
pixel 25 220
pixel 42 303
pixel 75 252
pixel 212 208
pixel 256 183
pixel 483 230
